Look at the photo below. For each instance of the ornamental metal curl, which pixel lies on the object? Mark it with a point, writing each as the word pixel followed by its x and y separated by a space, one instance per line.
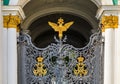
pixel 58 61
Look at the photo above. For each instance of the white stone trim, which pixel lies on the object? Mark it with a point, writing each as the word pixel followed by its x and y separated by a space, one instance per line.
pixel 1 47
pixel 41 13
pixel 22 3
pixel 106 2
pixel 97 2
pixel 110 9
pixel 14 10
pixel 118 2
pixel 13 2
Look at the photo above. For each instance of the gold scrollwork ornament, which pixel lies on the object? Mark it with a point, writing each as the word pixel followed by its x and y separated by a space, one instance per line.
pixel 39 69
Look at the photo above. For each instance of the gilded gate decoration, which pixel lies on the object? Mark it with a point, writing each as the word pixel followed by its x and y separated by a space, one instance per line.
pixel 80 68
pixel 60 27
pixel 61 63
pixel 39 69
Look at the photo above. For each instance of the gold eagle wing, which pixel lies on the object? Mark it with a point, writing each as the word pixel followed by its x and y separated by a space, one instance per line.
pixel 67 25
pixel 54 26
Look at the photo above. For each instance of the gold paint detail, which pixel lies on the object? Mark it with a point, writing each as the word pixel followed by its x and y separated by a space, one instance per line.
pixel 39 68
pixel 60 27
pixel 109 22
pixel 11 21
pixel 5 21
pixel 80 68
pixel 102 28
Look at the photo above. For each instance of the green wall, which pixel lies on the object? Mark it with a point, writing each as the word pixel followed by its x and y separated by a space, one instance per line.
pixel 115 2
pixel 6 2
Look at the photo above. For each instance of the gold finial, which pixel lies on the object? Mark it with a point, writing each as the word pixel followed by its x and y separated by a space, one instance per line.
pixel 39 59
pixel 109 22
pixel 60 27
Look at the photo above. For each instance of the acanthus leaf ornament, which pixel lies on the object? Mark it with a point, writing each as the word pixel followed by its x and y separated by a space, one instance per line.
pixel 11 21
pixel 109 22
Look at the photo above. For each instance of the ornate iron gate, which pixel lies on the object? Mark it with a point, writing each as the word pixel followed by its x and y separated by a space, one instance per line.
pixel 60 63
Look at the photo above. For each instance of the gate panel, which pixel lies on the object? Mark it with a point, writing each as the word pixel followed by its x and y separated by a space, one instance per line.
pixel 60 63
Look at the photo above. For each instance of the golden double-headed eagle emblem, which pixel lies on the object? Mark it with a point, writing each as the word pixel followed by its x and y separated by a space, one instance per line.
pixel 60 27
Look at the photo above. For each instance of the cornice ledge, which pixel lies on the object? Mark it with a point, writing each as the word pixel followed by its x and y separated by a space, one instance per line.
pixel 109 8
pixel 15 10
pixel 22 3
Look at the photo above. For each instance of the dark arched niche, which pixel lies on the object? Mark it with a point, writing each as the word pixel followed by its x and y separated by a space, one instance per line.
pixel 39 12
pixel 42 34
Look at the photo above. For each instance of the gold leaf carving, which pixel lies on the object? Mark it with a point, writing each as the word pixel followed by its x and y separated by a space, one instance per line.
pixel 11 21
pixel 109 22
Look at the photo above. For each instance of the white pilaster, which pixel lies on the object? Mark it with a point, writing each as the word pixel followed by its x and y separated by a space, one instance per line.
pixel 108 56
pixel 11 22
pixel 1 56
pixel 10 35
pixel 112 47
pixel 12 56
pixel 117 55
pixel 5 58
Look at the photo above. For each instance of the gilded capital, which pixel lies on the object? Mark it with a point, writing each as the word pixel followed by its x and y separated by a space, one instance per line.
pixel 5 21
pixel 11 21
pixel 109 22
